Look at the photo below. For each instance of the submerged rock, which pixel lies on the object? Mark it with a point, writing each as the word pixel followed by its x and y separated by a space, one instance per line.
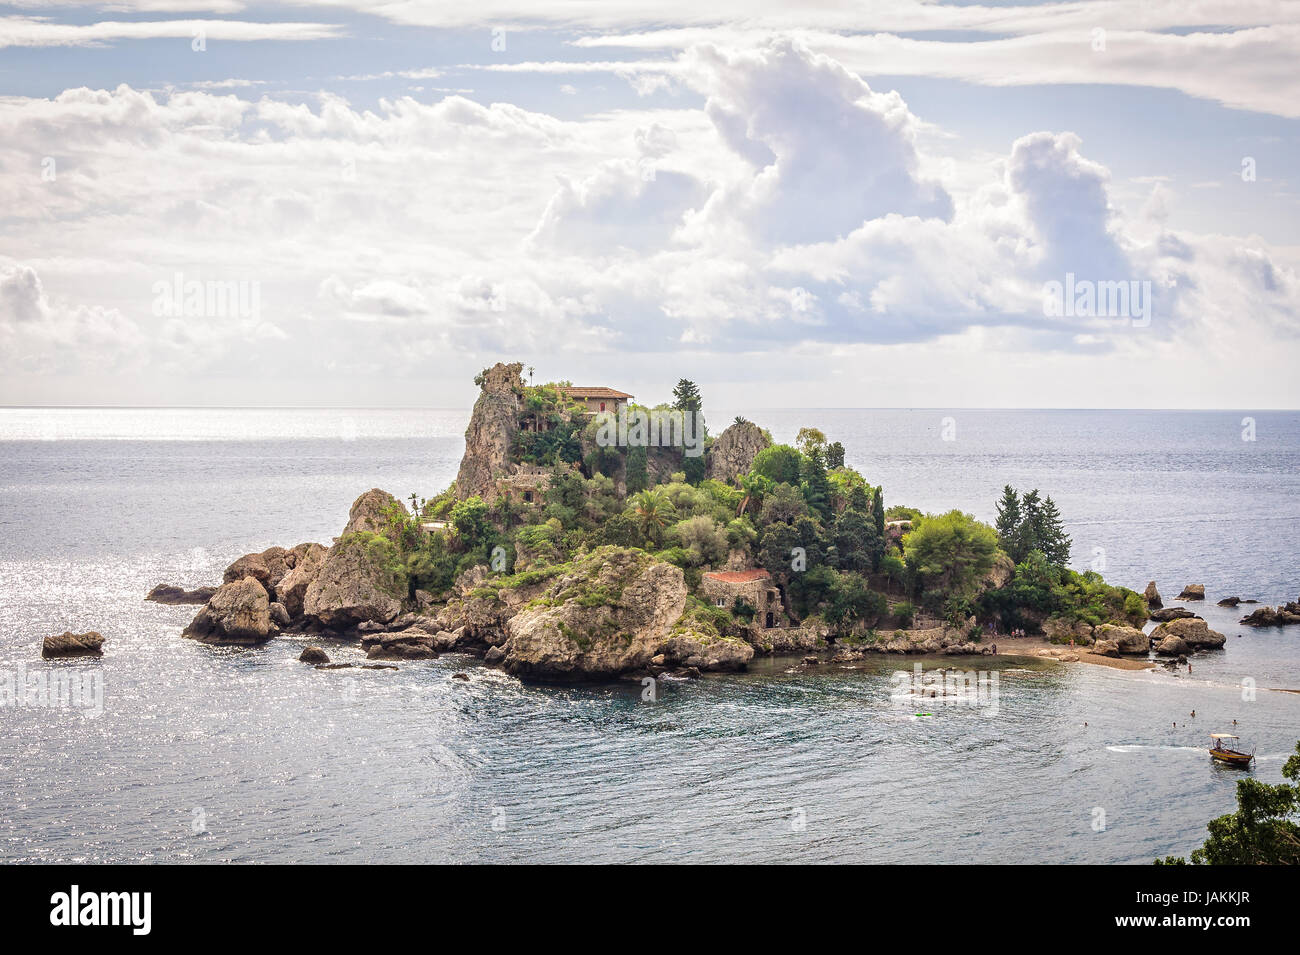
pixel 69 644
pixel 171 594
pixel 239 612
pixel 313 655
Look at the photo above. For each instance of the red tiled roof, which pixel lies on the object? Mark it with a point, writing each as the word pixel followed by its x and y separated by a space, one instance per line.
pixel 738 576
pixel 595 392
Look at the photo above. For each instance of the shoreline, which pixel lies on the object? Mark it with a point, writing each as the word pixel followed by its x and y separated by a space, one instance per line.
pixel 1030 647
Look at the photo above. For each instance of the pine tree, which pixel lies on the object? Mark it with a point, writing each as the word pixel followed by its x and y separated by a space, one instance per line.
pixel 878 510
pixel 1029 535
pixel 816 486
pixel 1055 543
pixel 1008 523
pixel 686 396
pixel 834 456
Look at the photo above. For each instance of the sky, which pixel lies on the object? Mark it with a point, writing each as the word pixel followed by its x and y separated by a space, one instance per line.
pixel 346 203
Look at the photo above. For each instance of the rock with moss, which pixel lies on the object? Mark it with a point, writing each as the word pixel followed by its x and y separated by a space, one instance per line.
pixel 362 579
pixel 696 640
pixel 239 613
pixel 605 614
pixel 375 512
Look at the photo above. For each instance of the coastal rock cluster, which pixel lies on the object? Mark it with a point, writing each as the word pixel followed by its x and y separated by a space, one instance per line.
pixel 1286 615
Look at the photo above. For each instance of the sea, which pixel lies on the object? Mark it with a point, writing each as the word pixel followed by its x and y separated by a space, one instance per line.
pixel 168 750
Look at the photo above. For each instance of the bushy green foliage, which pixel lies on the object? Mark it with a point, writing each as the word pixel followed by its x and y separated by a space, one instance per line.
pixel 779 463
pixel 1263 830
pixel 1031 523
pixel 1040 589
pixel 949 553
pixel 470 519
pixel 703 537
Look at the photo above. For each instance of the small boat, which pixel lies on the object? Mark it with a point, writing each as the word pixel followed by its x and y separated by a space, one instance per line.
pixel 1227 748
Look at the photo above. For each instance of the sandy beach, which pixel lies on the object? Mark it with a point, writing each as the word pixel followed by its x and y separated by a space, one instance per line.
pixel 1042 647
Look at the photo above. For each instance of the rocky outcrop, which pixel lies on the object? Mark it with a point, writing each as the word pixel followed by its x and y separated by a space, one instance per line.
pixel 811 635
pixel 267 568
pixel 291 591
pixel 1106 648
pixel 239 612
pixel 1000 574
pixel 946 640
pixel 704 651
pixel 279 615
pixel 1193 592
pixel 1229 601
pixel 1061 630
pixel 413 644
pixel 68 644
pixel 1171 613
pixel 369 513
pixel 732 453
pixel 491 432
pixel 1172 646
pixel 314 655
pixel 171 594
pixel 606 614
pixel 1126 639
pixel 1194 632
pixel 1152 596
pixel 1283 616
pixel 360 580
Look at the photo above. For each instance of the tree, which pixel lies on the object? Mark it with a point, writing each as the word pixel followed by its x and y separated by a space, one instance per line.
pixel 878 511
pixel 809 439
pixel 1261 831
pixel 470 518
pixel 816 488
pixel 638 475
pixel 834 455
pixel 686 396
pixel 857 545
pixel 756 487
pixel 775 552
pixel 1054 542
pixel 783 504
pixel 1008 523
pixel 950 552
pixel 779 463
pixel 653 512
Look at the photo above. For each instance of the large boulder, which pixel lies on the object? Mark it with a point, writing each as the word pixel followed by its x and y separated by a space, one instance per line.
pixel 1165 614
pixel 1000 574
pixel 1152 596
pixel 1193 631
pixel 697 647
pixel 361 580
pixel 171 594
pixel 491 431
pixel 1126 639
pixel 405 645
pixel 607 613
pixel 1172 646
pixel 732 453
pixel 314 655
pixel 308 559
pixel 371 513
pixel 239 612
pixel 68 644
pixel 1193 592
pixel 1283 616
pixel 1106 648
pixel 266 568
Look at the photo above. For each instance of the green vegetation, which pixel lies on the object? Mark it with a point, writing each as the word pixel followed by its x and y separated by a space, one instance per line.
pixel 1263 830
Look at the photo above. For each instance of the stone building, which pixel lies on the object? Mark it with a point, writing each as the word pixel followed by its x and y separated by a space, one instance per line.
pixel 597 399
pixel 755 586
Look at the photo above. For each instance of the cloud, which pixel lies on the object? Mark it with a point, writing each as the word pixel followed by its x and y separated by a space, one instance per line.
pixel 32 32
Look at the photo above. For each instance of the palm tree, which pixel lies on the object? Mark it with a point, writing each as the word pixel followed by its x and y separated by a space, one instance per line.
pixel 754 486
pixel 415 499
pixel 653 511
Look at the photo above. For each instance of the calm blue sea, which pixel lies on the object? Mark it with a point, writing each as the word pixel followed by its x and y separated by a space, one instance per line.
pixel 210 754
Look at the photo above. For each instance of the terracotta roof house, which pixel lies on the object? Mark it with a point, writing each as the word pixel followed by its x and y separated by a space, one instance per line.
pixel 755 586
pixel 599 398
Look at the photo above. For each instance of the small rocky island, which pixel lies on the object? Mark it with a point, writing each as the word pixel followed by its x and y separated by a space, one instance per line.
pixel 576 544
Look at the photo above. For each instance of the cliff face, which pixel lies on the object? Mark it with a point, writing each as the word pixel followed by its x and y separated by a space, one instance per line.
pixel 732 454
pixel 491 432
